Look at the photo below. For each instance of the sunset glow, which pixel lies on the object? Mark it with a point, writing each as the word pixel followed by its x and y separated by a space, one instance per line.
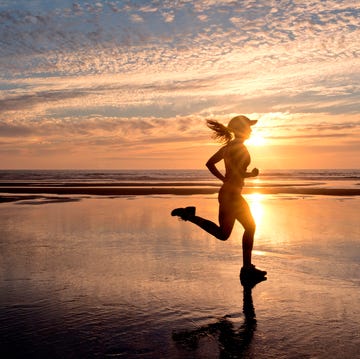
pixel 256 140
pixel 130 84
pixel 256 206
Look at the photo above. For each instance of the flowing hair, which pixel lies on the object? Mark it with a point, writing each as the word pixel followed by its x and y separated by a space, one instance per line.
pixel 221 132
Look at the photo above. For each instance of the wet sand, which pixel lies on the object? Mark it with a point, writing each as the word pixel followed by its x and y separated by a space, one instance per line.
pixel 12 192
pixel 102 277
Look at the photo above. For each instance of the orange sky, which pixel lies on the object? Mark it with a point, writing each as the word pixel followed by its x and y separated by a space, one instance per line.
pixel 118 85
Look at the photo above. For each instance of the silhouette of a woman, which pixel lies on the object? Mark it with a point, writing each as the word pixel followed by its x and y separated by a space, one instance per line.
pixel 232 205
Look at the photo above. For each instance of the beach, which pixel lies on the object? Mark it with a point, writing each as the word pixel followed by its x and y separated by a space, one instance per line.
pixel 114 275
pixel 179 179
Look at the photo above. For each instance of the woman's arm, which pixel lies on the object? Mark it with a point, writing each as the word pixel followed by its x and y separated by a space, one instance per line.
pixel 210 164
pixel 253 173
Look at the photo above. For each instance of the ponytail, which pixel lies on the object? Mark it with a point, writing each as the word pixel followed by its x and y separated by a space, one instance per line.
pixel 221 132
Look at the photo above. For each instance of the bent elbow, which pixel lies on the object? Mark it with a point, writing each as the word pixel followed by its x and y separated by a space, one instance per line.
pixel 209 164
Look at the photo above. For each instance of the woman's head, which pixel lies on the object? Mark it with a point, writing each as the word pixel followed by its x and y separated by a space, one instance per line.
pixel 239 126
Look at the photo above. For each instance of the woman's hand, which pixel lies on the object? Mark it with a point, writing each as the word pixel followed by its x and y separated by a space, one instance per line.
pixel 254 172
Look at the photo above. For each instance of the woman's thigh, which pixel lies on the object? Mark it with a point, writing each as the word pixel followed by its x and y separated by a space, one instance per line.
pixel 227 216
pixel 243 213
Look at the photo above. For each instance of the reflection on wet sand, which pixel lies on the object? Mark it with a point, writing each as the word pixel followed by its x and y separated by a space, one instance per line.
pixel 232 342
pixel 115 277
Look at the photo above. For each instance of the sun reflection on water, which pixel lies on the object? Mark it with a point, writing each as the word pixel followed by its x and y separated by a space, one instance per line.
pixel 255 201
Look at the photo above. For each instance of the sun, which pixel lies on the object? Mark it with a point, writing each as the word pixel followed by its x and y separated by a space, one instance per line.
pixel 256 140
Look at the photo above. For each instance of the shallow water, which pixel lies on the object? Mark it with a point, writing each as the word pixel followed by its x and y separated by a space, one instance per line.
pixel 122 278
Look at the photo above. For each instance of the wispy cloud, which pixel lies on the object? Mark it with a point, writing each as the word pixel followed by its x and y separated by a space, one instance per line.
pixel 61 34
pixel 93 72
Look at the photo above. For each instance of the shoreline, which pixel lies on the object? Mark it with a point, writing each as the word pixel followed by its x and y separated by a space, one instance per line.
pixel 17 193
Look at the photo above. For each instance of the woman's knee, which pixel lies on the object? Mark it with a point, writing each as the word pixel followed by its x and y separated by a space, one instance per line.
pixel 223 236
pixel 250 227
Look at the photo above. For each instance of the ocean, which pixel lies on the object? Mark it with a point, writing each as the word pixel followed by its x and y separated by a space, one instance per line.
pixel 349 176
pixel 337 182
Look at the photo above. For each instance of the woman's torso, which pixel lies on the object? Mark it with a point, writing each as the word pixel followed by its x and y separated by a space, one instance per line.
pixel 237 159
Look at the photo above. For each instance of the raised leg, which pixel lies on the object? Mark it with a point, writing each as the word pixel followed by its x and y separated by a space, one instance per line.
pixel 221 231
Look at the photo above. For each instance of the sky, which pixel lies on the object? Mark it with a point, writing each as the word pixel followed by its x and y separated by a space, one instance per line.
pixel 130 84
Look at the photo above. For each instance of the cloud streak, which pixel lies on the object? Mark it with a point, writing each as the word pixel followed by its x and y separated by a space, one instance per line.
pixel 55 38
pixel 92 72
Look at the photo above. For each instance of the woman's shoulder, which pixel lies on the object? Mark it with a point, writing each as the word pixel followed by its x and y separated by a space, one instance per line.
pixel 236 145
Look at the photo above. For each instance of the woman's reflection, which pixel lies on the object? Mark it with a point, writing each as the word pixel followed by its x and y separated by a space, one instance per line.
pixel 233 342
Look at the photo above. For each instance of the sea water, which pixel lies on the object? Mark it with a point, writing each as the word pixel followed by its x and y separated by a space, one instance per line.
pixel 110 176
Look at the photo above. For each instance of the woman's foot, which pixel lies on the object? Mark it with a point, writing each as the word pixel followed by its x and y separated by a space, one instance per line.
pixel 252 275
pixel 184 213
